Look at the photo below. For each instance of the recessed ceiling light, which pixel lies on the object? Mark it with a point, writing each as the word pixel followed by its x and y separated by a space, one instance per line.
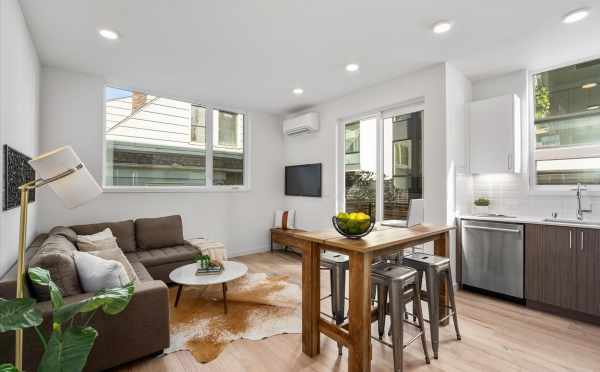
pixel 589 85
pixel 298 91
pixel 576 16
pixel 594 107
pixel 442 27
pixel 108 34
pixel 352 67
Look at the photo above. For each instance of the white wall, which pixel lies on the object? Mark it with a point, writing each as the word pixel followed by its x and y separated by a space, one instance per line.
pixel 320 147
pixel 19 92
pixel 510 193
pixel 458 92
pixel 72 113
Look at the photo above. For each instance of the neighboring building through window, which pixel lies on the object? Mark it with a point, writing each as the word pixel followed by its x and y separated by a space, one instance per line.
pixel 567 125
pixel 157 141
pixel 401 167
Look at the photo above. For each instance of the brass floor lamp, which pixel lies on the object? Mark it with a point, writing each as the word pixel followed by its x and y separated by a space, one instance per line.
pixel 66 175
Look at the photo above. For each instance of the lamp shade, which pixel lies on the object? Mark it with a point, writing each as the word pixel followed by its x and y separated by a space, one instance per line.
pixel 76 188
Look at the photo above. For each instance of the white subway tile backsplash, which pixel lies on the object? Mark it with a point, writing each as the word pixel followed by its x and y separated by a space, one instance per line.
pixel 509 194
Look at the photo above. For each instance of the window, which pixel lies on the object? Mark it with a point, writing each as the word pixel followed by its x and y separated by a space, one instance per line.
pixel 403 179
pixel 380 177
pixel 228 155
pixel 567 125
pixel 361 167
pixel 154 141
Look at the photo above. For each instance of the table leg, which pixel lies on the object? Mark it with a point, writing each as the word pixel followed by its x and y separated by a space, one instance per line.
pixel 359 359
pixel 441 249
pixel 179 289
pixel 311 287
pixel 225 297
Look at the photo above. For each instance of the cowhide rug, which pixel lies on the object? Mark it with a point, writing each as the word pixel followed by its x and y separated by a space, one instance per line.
pixel 260 306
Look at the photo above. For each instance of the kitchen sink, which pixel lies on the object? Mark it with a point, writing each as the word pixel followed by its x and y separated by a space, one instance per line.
pixel 572 221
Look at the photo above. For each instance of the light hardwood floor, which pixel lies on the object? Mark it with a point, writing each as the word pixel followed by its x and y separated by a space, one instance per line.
pixel 496 336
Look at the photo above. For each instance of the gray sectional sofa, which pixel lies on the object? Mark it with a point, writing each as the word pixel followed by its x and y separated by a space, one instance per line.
pixel 153 246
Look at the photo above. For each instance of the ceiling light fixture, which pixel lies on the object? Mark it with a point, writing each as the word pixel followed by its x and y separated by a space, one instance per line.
pixel 298 91
pixel 108 34
pixel 589 85
pixel 576 16
pixel 442 27
pixel 352 67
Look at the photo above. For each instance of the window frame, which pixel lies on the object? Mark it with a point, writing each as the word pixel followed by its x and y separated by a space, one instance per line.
pixel 209 187
pixel 552 190
pixel 380 115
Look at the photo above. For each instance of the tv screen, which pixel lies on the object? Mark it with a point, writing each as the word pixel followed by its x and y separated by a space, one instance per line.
pixel 303 180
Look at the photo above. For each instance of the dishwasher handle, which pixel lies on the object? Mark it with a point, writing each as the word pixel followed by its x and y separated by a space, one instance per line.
pixel 516 231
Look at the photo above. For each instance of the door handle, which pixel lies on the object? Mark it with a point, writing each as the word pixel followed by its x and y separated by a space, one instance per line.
pixel 516 231
pixel 570 239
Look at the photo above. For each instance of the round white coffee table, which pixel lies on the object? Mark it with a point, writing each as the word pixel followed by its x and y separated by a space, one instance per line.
pixel 186 275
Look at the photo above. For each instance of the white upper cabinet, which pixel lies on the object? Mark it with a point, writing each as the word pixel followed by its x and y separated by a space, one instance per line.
pixel 495 135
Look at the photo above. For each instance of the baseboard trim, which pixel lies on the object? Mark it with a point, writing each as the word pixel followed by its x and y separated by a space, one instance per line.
pixel 566 313
pixel 249 252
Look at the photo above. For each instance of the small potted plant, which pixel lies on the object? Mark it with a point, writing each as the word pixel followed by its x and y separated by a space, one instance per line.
pixel 481 205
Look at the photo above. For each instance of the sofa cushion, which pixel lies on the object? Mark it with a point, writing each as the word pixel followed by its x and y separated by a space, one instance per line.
pixel 155 257
pixel 141 272
pixel 153 233
pixel 64 231
pixel 56 256
pixel 124 231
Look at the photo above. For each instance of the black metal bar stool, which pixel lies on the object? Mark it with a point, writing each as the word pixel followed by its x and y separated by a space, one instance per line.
pixel 401 284
pixel 337 264
pixel 436 268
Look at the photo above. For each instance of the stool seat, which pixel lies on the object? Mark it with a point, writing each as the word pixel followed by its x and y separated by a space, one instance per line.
pixel 392 271
pixel 425 259
pixel 332 258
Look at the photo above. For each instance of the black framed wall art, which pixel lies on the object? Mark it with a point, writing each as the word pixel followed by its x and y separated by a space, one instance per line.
pixel 17 171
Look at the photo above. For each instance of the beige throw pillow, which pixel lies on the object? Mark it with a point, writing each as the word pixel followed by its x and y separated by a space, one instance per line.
pixel 117 255
pixel 101 241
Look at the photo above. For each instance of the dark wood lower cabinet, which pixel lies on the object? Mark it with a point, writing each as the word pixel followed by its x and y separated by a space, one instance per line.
pixel 588 271
pixel 562 268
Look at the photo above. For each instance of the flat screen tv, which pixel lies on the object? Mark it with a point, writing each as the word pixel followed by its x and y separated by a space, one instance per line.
pixel 303 180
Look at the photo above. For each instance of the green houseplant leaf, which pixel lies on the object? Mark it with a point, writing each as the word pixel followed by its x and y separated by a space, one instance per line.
pixel 42 277
pixel 8 368
pixel 111 301
pixel 68 351
pixel 18 314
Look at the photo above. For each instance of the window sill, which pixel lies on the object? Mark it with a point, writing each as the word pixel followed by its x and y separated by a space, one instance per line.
pixel 175 189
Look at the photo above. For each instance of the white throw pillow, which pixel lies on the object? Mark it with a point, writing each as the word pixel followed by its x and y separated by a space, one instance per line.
pixel 96 273
pixel 284 219
pixel 99 241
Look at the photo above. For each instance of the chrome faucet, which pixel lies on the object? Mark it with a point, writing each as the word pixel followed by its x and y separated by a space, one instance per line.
pixel 580 211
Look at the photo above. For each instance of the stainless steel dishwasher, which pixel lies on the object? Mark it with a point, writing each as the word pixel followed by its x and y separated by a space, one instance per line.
pixel 492 257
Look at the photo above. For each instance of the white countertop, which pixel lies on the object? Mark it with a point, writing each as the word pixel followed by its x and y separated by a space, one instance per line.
pixel 530 220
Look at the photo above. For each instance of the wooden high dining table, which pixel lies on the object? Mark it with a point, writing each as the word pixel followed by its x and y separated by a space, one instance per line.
pixel 355 334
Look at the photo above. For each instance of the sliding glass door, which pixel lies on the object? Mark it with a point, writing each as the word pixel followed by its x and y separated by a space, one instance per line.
pixel 382 166
pixel 402 163
pixel 360 166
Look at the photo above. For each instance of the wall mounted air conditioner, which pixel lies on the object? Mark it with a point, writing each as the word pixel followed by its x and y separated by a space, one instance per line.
pixel 305 123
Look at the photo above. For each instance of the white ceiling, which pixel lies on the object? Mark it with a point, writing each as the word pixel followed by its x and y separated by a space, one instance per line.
pixel 250 54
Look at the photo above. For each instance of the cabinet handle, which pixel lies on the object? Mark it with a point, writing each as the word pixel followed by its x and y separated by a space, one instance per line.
pixel 570 239
pixel 582 240
pixel 509 162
